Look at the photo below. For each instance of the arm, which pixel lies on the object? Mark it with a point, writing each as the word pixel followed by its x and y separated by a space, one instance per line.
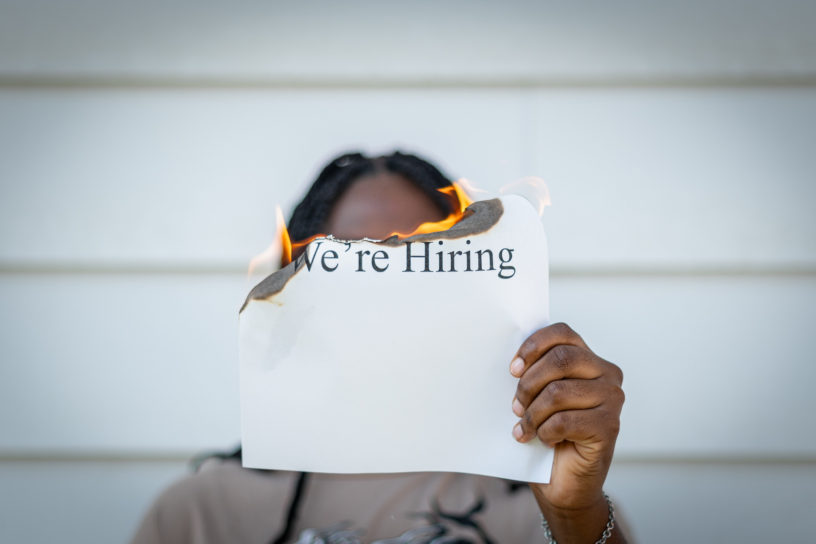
pixel 570 399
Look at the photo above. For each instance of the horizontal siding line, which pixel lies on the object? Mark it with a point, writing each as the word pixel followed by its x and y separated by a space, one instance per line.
pixel 121 269
pixel 21 268
pixel 89 457
pixel 44 457
pixel 682 271
pixel 716 460
pixel 159 82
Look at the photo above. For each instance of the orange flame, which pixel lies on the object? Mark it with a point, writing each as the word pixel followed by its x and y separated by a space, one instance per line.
pixel 285 248
pixel 281 247
pixel 532 189
pixel 455 191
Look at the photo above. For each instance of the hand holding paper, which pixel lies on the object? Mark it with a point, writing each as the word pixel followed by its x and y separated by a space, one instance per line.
pixel 571 399
pixel 396 350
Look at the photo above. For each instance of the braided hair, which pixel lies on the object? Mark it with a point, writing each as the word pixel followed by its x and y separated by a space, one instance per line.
pixel 310 216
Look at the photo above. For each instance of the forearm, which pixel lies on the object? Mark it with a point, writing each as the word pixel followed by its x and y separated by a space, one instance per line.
pixel 578 526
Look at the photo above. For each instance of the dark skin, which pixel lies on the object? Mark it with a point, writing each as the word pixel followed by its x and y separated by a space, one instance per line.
pixel 567 397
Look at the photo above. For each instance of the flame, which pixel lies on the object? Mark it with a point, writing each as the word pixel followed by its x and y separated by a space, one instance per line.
pixel 286 242
pixel 283 248
pixel 461 190
pixel 455 191
pixel 280 249
pixel 299 244
pixel 531 188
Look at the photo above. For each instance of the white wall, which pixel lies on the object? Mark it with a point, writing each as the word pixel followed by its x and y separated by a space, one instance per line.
pixel 143 148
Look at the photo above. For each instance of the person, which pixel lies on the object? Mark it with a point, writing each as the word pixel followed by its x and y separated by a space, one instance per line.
pixel 567 397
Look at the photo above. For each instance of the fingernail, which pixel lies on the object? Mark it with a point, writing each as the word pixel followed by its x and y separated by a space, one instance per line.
pixel 517 432
pixel 518 409
pixel 517 366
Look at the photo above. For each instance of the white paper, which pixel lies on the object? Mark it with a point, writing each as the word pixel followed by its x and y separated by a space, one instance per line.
pixel 355 371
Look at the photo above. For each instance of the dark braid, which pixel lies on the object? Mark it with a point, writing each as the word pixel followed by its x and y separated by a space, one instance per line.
pixel 310 216
pixel 424 174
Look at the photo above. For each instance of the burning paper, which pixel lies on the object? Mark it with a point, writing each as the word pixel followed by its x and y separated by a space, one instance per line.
pixel 392 356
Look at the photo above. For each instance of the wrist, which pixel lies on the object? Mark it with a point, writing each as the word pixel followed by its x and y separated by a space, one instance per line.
pixel 580 525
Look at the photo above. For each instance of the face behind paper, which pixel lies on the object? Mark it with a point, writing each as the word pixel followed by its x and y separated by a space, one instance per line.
pixel 377 205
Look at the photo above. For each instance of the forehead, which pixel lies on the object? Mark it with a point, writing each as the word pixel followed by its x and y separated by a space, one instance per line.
pixel 376 205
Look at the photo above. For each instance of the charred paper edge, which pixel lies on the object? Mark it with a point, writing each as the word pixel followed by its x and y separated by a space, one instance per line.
pixel 478 218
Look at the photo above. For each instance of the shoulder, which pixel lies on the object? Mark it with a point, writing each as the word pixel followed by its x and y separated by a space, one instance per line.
pixel 221 499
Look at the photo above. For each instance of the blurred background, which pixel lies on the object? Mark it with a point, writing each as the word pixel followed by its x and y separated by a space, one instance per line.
pixel 144 146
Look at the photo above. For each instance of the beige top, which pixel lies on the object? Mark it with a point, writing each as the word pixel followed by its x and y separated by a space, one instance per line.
pixel 224 502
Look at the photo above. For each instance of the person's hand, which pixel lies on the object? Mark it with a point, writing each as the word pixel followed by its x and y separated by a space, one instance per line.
pixel 570 399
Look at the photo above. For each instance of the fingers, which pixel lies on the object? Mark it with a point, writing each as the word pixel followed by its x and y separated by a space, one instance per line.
pixel 597 425
pixel 562 361
pixel 542 341
pixel 575 410
pixel 565 391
